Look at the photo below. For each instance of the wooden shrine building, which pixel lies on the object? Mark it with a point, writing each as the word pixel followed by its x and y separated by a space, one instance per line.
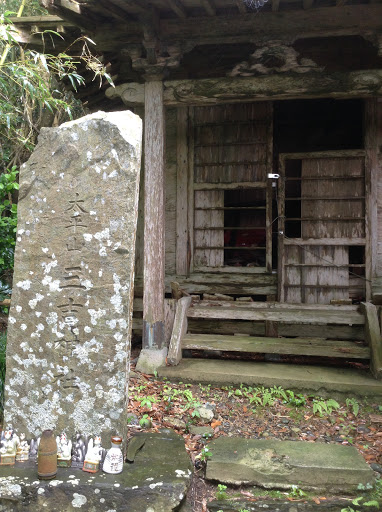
pixel 260 192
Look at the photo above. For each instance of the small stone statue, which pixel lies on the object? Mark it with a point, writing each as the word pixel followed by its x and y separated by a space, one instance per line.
pixel 64 451
pixel 79 450
pixel 93 455
pixel 113 462
pixel 22 452
pixel 34 448
pixel 8 447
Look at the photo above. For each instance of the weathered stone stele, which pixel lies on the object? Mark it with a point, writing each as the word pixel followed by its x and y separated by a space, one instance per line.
pixel 70 320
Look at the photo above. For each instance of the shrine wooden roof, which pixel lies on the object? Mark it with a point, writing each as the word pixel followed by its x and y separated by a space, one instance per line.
pixel 192 39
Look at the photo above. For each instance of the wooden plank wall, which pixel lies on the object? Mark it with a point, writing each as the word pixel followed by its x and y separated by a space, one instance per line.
pixel 319 273
pixel 230 148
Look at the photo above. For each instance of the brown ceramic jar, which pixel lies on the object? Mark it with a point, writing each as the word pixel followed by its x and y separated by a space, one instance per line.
pixel 47 456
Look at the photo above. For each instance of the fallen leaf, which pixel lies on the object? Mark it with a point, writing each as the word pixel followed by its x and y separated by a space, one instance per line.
pixel 216 423
pixel 245 408
pixel 317 501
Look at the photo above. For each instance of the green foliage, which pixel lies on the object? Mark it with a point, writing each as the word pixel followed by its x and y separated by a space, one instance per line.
pixel 30 7
pixel 145 421
pixel 321 406
pixel 372 498
pixel 353 405
pixel 295 399
pixel 296 492
pixel 8 220
pixel 204 455
pixel 33 93
pixel 221 492
pixel 146 401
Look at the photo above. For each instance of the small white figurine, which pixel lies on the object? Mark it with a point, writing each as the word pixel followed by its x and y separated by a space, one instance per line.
pixel 113 462
pixel 8 447
pixel 93 455
pixel 64 451
pixel 22 452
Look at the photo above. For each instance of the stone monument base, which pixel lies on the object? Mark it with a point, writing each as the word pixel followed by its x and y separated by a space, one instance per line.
pixel 158 480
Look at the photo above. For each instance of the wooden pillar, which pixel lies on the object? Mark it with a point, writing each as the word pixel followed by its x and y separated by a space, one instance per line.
pixel 154 253
pixel 371 178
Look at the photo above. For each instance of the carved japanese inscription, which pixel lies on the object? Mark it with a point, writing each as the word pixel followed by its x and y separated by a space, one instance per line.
pixel 70 321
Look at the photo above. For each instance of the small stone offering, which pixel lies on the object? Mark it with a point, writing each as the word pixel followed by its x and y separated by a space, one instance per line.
pixel 113 463
pixel 8 446
pixel 64 451
pixel 93 455
pixel 22 452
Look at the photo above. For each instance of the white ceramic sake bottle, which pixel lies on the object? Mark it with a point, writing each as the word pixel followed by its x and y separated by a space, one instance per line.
pixel 113 462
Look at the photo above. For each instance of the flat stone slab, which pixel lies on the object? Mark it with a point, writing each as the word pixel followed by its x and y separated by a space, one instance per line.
pixel 321 380
pixel 281 464
pixel 157 481
pixel 329 505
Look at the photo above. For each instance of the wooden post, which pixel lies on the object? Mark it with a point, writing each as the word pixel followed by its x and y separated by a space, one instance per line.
pixel 182 235
pixel 179 330
pixel 153 271
pixel 371 182
pixel 373 338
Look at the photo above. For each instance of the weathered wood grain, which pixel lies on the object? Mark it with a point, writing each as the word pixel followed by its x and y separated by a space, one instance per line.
pixel 373 338
pixel 277 315
pixel 182 245
pixel 285 25
pixel 335 332
pixel 290 346
pixel 371 180
pixel 179 330
pixel 352 84
pixel 154 248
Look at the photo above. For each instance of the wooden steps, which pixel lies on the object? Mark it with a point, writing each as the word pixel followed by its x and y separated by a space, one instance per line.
pixel 263 345
pixel 286 313
pixel 316 331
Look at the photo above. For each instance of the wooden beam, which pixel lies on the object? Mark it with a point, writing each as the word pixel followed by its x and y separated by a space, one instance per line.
pixel 209 7
pixel 284 26
pixel 141 6
pixel 177 7
pixel 154 252
pixel 71 6
pixel 273 345
pixel 276 315
pixel 179 330
pixel 354 84
pixel 373 338
pixel 241 6
pixel 182 245
pixel 114 9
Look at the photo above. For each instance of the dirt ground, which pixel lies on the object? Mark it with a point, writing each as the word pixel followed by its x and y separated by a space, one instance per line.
pixel 256 413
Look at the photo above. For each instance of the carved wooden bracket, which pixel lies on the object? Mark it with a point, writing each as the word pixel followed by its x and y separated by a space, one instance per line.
pixel 153 58
pixel 274 58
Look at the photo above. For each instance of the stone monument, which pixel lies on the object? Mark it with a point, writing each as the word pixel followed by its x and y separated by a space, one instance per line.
pixel 70 320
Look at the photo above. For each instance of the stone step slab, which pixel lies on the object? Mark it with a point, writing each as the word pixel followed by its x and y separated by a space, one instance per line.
pixel 273 464
pixel 329 505
pixel 320 380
